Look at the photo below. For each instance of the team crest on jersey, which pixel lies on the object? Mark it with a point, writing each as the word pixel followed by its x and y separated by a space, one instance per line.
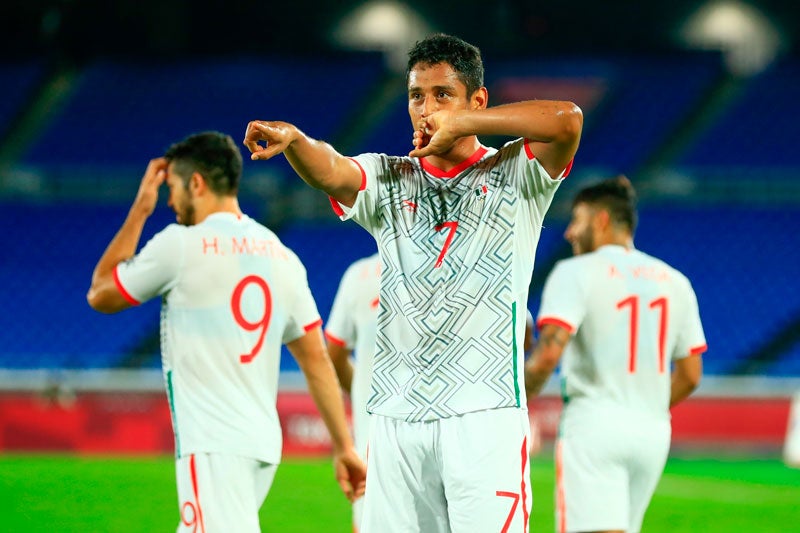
pixel 481 191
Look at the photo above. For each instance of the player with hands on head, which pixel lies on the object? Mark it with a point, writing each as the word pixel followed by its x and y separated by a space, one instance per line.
pixel 231 294
pixel 616 319
pixel 457 224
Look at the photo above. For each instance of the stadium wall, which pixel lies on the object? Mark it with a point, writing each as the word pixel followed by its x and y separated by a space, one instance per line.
pixel 123 412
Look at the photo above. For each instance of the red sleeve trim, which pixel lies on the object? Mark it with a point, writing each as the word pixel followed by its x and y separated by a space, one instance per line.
pixel 125 294
pixel 363 174
pixel 334 204
pixel 315 324
pixel 568 169
pixel 528 150
pixel 532 156
pixel 556 322
pixel 335 340
pixel 697 350
pixel 336 207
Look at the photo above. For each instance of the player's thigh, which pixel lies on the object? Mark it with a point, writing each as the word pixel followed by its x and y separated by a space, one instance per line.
pixel 591 483
pixel 646 466
pixel 404 490
pixel 486 471
pixel 219 492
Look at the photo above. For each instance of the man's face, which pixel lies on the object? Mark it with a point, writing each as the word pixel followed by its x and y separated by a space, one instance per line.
pixel 580 232
pixel 180 198
pixel 432 88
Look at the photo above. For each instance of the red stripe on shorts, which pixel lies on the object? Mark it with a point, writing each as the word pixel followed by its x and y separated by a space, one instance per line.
pixel 561 505
pixel 193 471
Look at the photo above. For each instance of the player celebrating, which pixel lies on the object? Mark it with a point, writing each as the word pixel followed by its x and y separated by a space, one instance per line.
pixel 457 225
pixel 631 316
pixel 352 326
pixel 232 293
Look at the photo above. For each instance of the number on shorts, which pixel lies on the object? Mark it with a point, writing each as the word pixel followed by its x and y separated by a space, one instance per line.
pixel 515 497
pixel 660 304
pixel 262 323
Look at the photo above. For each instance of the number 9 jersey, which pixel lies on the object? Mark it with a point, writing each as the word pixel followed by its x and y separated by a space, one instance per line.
pixel 232 294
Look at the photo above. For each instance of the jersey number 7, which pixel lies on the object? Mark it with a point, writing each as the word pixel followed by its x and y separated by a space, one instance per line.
pixel 262 323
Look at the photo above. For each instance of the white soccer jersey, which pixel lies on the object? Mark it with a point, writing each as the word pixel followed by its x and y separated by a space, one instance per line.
pixel 631 315
pixel 353 323
pixel 457 251
pixel 232 293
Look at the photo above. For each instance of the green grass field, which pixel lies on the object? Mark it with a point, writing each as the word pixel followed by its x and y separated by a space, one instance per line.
pixel 113 494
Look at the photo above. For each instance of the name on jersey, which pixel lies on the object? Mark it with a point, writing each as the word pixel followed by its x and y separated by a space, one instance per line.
pixel 244 246
pixel 640 272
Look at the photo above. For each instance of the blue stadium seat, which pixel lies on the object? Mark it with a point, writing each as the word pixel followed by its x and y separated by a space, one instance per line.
pixel 757 130
pixel 124 114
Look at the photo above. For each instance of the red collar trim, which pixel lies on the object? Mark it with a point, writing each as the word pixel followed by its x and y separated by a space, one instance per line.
pixel 456 170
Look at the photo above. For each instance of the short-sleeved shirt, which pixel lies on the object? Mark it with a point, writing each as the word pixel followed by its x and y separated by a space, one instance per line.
pixel 630 315
pixel 232 293
pixel 457 250
pixel 353 324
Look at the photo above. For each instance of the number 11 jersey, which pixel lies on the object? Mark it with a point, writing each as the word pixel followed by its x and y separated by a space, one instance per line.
pixel 631 315
pixel 232 293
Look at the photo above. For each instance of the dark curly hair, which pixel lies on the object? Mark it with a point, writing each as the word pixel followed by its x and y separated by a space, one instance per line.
pixel 616 195
pixel 459 54
pixel 213 155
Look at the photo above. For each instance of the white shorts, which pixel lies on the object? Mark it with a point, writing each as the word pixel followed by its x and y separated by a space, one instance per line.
pixel 607 468
pixel 221 493
pixel 460 474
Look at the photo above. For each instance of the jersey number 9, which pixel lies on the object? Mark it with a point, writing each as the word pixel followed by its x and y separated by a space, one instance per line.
pixel 261 323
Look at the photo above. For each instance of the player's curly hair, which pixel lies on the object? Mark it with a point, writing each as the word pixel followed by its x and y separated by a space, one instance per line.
pixel 615 195
pixel 212 154
pixel 465 58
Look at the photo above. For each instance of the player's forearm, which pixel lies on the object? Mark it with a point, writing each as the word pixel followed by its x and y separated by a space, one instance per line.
pixel 122 247
pixel 686 377
pixel 536 375
pixel 546 355
pixel 537 120
pixel 344 371
pixel 322 167
pixel 325 391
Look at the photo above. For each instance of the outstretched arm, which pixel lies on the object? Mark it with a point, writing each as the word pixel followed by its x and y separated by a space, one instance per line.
pixel 553 129
pixel 317 162
pixel 546 355
pixel 312 357
pixel 685 378
pixel 103 294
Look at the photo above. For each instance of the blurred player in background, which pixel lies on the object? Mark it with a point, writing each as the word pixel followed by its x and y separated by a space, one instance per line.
pixel 620 318
pixel 457 224
pixel 352 327
pixel 232 293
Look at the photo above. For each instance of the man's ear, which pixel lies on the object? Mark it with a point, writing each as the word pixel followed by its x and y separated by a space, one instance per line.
pixel 602 219
pixel 479 99
pixel 197 184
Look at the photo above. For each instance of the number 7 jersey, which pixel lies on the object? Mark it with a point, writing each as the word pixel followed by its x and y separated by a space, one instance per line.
pixel 457 250
pixel 630 315
pixel 232 294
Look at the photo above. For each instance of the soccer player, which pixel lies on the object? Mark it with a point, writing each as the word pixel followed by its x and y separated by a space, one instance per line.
pixel 231 294
pixel 457 224
pixel 352 327
pixel 620 318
